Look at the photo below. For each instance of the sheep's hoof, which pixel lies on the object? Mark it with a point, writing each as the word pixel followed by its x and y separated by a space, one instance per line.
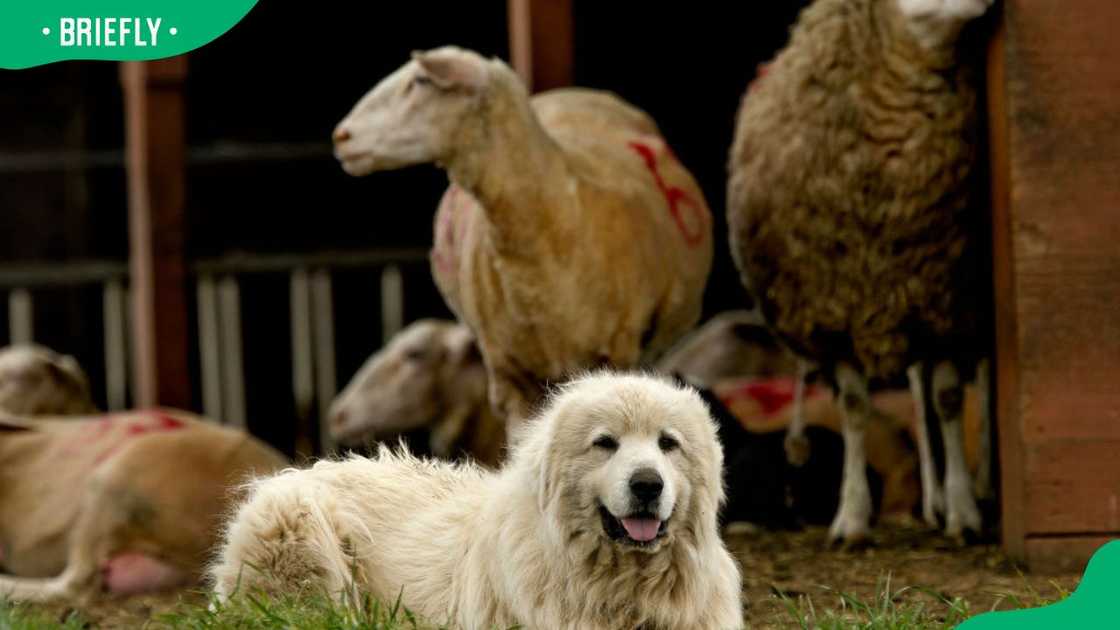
pixel 797 450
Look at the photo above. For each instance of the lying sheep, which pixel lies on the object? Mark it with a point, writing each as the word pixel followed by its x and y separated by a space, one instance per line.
pixel 36 381
pixel 117 504
pixel 731 344
pixel 429 377
pixel 570 237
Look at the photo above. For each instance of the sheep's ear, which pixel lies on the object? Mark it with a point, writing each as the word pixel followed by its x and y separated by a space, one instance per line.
pixel 462 349
pixel 452 68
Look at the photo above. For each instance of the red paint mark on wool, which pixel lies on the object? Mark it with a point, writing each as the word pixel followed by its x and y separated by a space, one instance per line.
pixel 772 395
pixel 675 196
pixel 155 422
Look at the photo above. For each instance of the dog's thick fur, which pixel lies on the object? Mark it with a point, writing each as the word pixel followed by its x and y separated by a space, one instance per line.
pixel 528 545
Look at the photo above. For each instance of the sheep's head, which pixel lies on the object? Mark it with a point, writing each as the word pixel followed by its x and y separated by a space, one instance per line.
pixel 35 381
pixel 412 116
pixel 936 23
pixel 423 371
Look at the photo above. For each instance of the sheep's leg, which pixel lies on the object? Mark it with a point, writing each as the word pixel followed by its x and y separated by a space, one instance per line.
pixel 948 400
pixel 852 519
pixel 983 483
pixel 933 498
pixel 796 444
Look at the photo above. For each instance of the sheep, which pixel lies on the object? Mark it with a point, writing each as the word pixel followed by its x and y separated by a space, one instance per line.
pixel 570 236
pixel 136 508
pixel 429 377
pixel 849 212
pixel 733 343
pixel 36 381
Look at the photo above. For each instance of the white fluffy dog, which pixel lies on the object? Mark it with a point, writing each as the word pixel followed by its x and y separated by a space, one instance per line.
pixel 605 517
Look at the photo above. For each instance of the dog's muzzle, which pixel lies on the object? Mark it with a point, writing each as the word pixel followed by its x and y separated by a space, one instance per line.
pixel 642 526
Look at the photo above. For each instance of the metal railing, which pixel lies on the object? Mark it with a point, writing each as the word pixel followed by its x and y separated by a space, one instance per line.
pixel 217 283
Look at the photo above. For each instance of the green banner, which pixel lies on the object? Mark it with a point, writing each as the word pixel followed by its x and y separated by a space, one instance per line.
pixel 1092 605
pixel 35 32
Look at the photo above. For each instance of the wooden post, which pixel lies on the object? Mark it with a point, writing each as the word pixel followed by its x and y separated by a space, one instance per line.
pixel 540 42
pixel 153 95
pixel 1054 94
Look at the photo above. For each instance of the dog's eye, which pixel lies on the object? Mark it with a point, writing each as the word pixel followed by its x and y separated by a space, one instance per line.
pixel 667 443
pixel 605 442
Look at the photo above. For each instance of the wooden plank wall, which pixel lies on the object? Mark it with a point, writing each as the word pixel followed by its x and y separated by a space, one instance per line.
pixel 1054 85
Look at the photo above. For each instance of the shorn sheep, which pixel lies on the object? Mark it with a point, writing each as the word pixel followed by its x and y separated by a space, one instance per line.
pixel 851 215
pixel 37 381
pixel 570 236
pixel 118 504
pixel 428 378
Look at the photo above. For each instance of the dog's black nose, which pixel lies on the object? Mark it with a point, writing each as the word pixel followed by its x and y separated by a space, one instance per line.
pixel 646 485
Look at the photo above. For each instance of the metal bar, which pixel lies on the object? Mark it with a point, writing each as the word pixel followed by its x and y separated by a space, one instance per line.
pixel 323 321
pixel 209 347
pixel 21 317
pixel 61 274
pixel 19 162
pixel 392 302
pixel 303 375
pixel 251 263
pixel 113 309
pixel 233 374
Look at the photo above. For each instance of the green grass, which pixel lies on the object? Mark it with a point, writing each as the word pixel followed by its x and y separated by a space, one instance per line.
pixel 892 609
pixel 257 610
pixel 905 608
pixel 21 617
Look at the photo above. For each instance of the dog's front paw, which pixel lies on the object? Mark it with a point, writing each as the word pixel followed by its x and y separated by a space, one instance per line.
pixel 944 10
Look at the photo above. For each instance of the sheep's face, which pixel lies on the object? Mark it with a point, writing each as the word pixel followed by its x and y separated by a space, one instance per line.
pixel 936 23
pixel 413 115
pixel 35 381
pixel 404 387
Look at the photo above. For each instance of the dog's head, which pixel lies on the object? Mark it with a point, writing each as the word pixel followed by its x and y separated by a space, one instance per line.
pixel 626 460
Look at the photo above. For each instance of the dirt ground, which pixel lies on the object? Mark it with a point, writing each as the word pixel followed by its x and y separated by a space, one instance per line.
pixel 796 564
pixel 800 564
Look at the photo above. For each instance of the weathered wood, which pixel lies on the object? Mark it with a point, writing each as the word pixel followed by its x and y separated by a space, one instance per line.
pixel 540 42
pixel 153 95
pixel 1055 104
pixel 1061 554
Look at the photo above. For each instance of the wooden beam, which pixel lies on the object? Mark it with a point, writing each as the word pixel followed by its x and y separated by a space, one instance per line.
pixel 540 42
pixel 1055 122
pixel 155 155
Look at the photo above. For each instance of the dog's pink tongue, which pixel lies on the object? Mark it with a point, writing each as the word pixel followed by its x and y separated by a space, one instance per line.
pixel 641 529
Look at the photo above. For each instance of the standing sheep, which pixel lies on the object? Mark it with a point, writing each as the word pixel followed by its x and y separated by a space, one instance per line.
pixel 570 236
pixel 849 208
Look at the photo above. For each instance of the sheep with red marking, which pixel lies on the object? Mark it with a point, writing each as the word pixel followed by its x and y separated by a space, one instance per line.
pixel 570 237
pixel 136 507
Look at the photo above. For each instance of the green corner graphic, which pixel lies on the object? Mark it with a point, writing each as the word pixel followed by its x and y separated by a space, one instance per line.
pixel 1090 606
pixel 36 32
